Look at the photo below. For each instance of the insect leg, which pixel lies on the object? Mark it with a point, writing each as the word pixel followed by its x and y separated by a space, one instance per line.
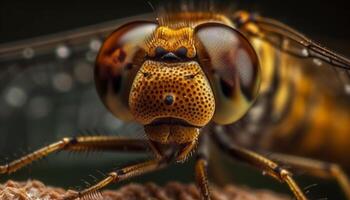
pixel 185 152
pixel 201 168
pixel 85 143
pixel 269 167
pixel 317 168
pixel 117 176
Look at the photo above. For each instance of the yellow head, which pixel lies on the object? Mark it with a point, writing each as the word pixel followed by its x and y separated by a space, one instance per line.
pixel 177 75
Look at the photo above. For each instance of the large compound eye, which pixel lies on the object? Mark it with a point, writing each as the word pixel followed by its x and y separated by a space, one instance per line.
pixel 232 67
pixel 117 63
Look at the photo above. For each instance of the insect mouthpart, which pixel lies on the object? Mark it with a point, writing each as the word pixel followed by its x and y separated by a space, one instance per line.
pixel 171 121
pixel 171 130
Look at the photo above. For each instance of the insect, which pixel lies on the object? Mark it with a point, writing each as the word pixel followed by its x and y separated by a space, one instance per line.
pixel 189 77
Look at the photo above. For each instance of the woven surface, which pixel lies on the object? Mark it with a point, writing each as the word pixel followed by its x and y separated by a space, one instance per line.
pixel 35 190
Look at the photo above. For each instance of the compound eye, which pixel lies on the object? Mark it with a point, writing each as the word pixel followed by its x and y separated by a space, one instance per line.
pixel 232 68
pixel 119 59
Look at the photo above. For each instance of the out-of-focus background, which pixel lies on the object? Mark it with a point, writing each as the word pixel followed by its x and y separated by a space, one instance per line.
pixel 46 94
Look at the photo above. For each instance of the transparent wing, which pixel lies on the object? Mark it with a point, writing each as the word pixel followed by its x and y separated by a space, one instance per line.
pixel 294 43
pixel 47 89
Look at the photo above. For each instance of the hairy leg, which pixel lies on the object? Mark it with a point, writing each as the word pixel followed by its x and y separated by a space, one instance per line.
pixel 117 176
pixel 269 167
pixel 84 143
pixel 201 167
pixel 317 168
pixel 159 162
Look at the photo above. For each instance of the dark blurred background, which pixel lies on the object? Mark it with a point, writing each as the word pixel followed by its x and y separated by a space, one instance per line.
pixel 46 96
pixel 21 19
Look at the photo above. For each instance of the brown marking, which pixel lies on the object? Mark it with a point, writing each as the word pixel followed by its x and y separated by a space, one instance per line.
pixel 193 99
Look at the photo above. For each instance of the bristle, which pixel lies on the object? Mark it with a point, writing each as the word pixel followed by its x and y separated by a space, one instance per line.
pixel 93 195
pixel 93 177
pixel 87 184
pixel 92 132
pixel 175 14
pixel 104 175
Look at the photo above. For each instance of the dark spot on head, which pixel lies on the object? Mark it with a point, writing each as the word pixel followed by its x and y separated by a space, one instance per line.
pixel 169 99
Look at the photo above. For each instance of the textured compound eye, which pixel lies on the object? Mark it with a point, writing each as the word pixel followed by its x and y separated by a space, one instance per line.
pixel 232 68
pixel 117 63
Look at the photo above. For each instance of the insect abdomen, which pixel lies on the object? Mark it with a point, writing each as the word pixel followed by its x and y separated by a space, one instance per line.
pixel 302 109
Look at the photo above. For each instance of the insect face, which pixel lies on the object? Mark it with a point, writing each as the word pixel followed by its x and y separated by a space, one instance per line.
pixel 175 80
pixel 171 94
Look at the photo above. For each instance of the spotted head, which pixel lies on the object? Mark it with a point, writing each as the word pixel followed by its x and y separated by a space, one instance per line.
pixel 177 75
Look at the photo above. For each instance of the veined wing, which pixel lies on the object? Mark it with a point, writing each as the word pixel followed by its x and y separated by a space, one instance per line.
pixel 294 43
pixel 47 88
pixel 76 38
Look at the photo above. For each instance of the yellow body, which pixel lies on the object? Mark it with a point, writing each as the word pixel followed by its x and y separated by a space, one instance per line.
pixel 310 113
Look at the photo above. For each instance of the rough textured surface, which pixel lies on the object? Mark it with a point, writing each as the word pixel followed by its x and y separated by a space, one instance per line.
pixel 191 97
pixel 35 190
